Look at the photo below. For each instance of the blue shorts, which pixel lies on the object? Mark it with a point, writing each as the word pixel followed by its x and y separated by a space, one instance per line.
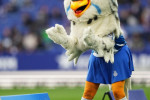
pixel 107 73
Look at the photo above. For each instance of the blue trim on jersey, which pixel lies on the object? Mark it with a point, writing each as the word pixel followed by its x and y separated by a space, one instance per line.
pixel 119 42
pixel 118 47
pixel 97 8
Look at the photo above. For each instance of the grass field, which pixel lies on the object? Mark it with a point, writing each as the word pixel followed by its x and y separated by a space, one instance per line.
pixel 65 93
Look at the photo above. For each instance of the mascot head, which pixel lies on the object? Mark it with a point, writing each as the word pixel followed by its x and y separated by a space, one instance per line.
pixel 83 10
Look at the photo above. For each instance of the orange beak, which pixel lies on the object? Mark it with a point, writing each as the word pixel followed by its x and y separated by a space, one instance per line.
pixel 80 6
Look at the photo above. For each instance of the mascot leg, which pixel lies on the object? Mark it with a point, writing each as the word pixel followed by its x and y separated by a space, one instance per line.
pixel 90 90
pixel 118 90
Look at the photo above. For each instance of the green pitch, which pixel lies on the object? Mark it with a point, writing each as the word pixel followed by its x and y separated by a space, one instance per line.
pixel 65 93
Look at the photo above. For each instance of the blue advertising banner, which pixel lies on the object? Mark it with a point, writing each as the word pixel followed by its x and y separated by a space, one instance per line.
pixel 37 61
pixel 55 60
pixel 40 60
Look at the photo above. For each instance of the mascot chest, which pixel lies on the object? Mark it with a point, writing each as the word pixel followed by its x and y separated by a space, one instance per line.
pixel 77 28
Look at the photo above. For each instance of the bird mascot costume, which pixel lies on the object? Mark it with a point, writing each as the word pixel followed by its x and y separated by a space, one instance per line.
pixel 95 25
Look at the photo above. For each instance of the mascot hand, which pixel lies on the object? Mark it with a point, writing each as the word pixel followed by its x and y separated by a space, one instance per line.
pixel 75 50
pixel 58 35
pixel 73 54
pixel 109 49
pixel 109 55
pixel 93 41
pixel 104 46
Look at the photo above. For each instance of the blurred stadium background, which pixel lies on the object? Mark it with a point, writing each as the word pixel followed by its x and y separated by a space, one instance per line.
pixel 31 61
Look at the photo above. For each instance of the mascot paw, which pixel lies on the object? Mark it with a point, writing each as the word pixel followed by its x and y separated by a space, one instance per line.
pixel 109 55
pixel 100 52
pixel 73 54
pixel 57 34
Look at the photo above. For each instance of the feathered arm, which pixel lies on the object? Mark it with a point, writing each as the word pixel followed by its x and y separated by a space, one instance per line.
pixel 104 46
pixel 74 46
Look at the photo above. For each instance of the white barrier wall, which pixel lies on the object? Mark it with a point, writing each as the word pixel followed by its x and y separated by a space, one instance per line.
pixel 56 78
pixel 142 61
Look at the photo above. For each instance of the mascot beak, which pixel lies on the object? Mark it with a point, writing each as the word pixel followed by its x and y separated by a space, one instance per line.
pixel 80 6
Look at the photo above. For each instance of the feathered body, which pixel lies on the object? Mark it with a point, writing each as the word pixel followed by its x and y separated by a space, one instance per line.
pixel 90 30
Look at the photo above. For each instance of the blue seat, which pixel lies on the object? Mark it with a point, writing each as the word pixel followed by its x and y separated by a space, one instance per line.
pixel 137 95
pixel 40 96
pixel 133 95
